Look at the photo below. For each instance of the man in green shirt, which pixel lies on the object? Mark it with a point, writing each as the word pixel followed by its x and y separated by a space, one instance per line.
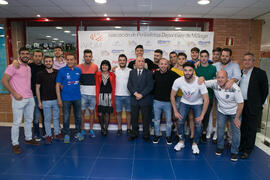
pixel 208 71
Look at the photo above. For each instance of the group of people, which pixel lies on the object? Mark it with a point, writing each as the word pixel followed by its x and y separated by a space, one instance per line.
pixel 183 92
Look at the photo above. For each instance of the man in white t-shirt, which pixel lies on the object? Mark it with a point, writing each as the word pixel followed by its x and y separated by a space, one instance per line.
pixel 122 95
pixel 230 106
pixel 195 98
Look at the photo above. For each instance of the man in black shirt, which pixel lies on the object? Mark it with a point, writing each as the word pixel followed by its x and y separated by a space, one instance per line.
pixel 47 99
pixel 163 81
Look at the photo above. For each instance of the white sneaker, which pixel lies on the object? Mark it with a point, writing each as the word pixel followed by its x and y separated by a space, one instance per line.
pixel 215 136
pixel 179 146
pixel 208 135
pixel 195 149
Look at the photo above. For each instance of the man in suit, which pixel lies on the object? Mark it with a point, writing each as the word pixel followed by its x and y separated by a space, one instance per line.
pixel 254 87
pixel 140 84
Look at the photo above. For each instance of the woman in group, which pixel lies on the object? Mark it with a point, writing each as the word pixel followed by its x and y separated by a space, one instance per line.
pixel 105 95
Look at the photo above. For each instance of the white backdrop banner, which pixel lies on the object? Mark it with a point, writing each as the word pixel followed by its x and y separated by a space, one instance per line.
pixel 109 44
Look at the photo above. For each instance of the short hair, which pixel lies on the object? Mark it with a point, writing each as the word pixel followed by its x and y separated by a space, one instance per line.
pixel 217 49
pixel 48 57
pixel 105 62
pixel 182 54
pixel 70 54
pixel 250 54
pixel 122 55
pixel 195 49
pixel 189 64
pixel 23 49
pixel 227 50
pixel 87 51
pixel 38 51
pixel 204 51
pixel 139 46
pixel 58 47
pixel 173 52
pixel 158 51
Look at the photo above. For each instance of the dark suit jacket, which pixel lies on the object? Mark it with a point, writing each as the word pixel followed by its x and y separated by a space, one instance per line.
pixel 142 85
pixel 257 90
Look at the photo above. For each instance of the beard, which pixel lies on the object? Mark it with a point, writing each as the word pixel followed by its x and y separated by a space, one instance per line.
pixel 24 59
pixel 225 62
pixel 49 66
pixel 188 77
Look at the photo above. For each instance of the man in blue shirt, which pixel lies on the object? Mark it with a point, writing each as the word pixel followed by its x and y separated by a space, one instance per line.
pixel 68 94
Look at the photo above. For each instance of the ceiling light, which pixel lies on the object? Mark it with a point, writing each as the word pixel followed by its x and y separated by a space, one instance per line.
pixel 38 15
pixel 177 28
pixel 66 31
pixel 108 19
pixel 176 19
pixel 2 35
pixel 105 15
pixel 1 27
pixel 117 27
pixel 61 41
pixel 55 39
pixel 46 19
pixel 144 23
pixel 48 36
pixel 203 2
pixel 73 34
pixel 58 27
pixel 3 2
pixel 179 15
pixel 100 1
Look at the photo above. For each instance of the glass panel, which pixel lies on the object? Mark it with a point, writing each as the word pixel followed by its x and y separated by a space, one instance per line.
pixel 3 57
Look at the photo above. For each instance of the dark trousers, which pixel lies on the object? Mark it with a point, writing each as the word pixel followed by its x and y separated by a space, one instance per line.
pixel 145 111
pixel 205 120
pixel 248 130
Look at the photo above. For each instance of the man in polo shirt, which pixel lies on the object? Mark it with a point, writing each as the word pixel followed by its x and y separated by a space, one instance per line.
pixel 68 78
pixel 88 88
pixel 18 82
pixel 230 106
pixel 122 95
pixel 58 61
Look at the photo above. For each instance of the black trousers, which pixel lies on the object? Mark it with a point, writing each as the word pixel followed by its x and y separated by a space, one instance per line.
pixel 248 130
pixel 205 120
pixel 145 111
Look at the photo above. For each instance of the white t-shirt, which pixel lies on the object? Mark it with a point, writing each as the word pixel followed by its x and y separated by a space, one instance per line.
pixel 122 76
pixel 192 92
pixel 227 99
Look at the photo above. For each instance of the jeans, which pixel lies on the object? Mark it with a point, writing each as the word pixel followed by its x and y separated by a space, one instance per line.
pixel 164 106
pixel 66 115
pixel 26 107
pixel 184 110
pixel 88 101
pixel 50 107
pixel 221 121
pixel 122 102
pixel 37 113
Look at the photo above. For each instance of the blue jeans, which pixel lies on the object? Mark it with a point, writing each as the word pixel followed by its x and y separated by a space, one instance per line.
pixel 37 113
pixel 184 110
pixel 221 121
pixel 66 115
pixel 50 107
pixel 164 106
pixel 122 102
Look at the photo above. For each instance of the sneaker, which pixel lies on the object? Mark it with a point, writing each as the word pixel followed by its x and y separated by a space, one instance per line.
pixel 37 138
pixel 16 149
pixel 119 132
pixel 215 136
pixel 203 138
pixel 195 149
pixel 92 133
pixel 208 134
pixel 79 136
pixel 32 142
pixel 179 146
pixel 169 140
pixel 67 139
pixel 156 139
pixel 234 157
pixel 219 152
pixel 48 140
pixel 59 137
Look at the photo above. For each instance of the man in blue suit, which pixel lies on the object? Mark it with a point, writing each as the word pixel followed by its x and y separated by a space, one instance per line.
pixel 140 84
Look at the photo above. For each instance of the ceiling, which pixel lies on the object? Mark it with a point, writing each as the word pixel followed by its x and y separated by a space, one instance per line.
pixel 236 9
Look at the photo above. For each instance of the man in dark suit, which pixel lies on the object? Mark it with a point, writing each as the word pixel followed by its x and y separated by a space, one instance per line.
pixel 140 84
pixel 254 87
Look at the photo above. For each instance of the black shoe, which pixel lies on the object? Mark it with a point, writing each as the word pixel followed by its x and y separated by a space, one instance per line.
pixel 128 131
pixel 119 132
pixel 156 139
pixel 176 139
pixel 131 138
pixel 219 152
pixel 103 133
pixel 169 140
pixel 147 139
pixel 203 138
pixel 234 157
pixel 244 155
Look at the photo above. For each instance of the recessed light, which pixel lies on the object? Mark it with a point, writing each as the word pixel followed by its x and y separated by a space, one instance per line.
pixel 38 15
pixel 61 41
pixel 144 23
pixel 58 27
pixel 179 15
pixel 73 34
pixel 1 27
pixel 203 2
pixel 46 19
pixel 3 2
pixel 48 36
pixel 2 35
pixel 117 27
pixel 100 1
pixel 105 15
pixel 176 19
pixel 55 39
pixel 177 28
pixel 108 19
pixel 66 31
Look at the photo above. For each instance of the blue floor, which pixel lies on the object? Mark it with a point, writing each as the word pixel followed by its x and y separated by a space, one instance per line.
pixel 114 157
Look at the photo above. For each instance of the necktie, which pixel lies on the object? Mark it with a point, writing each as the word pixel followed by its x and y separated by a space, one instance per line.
pixel 140 72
